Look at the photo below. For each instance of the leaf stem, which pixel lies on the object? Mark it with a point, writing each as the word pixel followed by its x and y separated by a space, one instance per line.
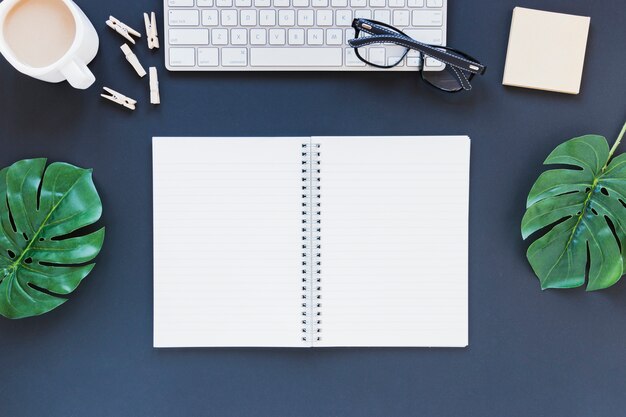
pixel 34 238
pixel 616 144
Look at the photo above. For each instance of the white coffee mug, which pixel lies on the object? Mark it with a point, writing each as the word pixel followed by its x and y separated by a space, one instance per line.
pixel 75 41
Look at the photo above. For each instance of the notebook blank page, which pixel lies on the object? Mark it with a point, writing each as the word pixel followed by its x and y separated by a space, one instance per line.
pixel 227 242
pixel 394 241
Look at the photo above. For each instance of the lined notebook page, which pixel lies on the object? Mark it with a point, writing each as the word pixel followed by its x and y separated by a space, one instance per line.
pixel 227 242
pixel 394 241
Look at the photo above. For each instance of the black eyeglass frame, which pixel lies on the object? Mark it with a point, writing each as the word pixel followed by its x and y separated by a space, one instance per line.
pixel 383 33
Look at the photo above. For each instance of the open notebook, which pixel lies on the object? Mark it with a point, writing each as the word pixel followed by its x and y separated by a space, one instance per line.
pixel 311 242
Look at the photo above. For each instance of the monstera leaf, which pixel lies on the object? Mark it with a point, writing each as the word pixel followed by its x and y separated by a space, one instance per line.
pixel 42 256
pixel 583 206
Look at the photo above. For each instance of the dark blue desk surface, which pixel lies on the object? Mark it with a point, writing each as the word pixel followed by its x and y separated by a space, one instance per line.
pixel 531 353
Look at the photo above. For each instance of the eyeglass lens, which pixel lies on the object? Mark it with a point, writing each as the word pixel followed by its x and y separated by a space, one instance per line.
pixel 444 80
pixel 382 54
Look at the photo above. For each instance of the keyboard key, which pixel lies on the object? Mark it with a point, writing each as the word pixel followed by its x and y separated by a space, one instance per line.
pixel 277 36
pixel 182 57
pixel 184 18
pixel 376 56
pixel 339 3
pixel 243 3
pixel 343 17
pixel 393 59
pixel 363 14
pixel 319 3
pixel 396 3
pixel 383 16
pixel 296 37
pixel 209 18
pixel 315 36
pixel 205 3
pixel 258 36
pixel 434 3
pixel 261 3
pixel 431 36
pixel 239 36
pixel 248 18
pixel 305 17
pixel 334 36
pixel 267 18
pixel 224 3
pixel 208 57
pixel 300 3
pixel 349 34
pixel 281 3
pixel 415 3
pixel 401 18
pixel 296 57
pixel 286 17
pixel 352 60
pixel 324 18
pixel 377 3
pixel 234 57
pixel 358 3
pixel 219 36
pixel 180 3
pixel 433 63
pixel 229 17
pixel 189 36
pixel 427 18
pixel 413 62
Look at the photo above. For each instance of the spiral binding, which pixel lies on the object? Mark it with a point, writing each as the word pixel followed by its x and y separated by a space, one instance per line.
pixel 311 243
pixel 316 240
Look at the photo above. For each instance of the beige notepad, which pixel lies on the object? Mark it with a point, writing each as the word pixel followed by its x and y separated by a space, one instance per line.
pixel 546 51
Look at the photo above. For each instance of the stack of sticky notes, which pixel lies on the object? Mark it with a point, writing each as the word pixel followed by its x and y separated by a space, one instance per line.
pixel 546 51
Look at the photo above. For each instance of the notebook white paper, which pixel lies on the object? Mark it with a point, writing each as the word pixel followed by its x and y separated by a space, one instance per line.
pixel 311 242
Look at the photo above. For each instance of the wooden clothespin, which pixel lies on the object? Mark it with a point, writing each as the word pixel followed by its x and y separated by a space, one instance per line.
pixel 134 61
pixel 119 98
pixel 123 29
pixel 155 96
pixel 151 30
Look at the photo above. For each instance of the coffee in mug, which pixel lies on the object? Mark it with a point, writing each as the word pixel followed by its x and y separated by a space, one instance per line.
pixel 39 48
pixel 51 40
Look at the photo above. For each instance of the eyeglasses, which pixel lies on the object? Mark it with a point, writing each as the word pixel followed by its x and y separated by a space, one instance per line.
pixel 384 46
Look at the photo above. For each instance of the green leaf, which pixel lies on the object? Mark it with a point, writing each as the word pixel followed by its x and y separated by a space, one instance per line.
pixel 39 208
pixel 584 208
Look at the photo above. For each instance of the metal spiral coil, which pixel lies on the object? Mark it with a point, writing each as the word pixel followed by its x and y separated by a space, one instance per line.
pixel 311 244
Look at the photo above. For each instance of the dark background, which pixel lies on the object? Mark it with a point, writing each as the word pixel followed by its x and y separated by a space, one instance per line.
pixel 531 353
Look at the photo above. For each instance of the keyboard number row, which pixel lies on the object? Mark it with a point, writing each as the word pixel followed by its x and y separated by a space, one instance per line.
pixel 306 3
pixel 250 18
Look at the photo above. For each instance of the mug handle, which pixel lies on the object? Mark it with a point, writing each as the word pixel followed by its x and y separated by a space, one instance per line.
pixel 78 75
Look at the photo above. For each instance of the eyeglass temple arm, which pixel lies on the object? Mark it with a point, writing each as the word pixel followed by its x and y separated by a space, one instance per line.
pixel 446 58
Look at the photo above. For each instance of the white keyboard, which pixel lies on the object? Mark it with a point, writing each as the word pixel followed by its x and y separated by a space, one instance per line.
pixel 262 35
